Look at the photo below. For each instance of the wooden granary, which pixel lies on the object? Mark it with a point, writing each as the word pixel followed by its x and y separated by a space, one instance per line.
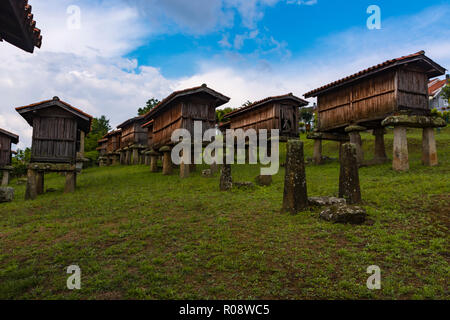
pixel 112 144
pixel 17 25
pixel 58 138
pixel 133 140
pixel 279 112
pixel 179 111
pixel 364 100
pixel 102 147
pixel 6 140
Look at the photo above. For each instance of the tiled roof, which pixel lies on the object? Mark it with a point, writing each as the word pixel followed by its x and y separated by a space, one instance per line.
pixel 31 25
pixel 147 124
pixel 176 94
pixel 130 121
pixel 265 101
pixel 377 68
pixel 31 36
pixel 14 137
pixel 112 133
pixel 55 99
pixel 436 84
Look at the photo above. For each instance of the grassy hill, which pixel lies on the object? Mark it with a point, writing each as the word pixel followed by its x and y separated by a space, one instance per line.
pixel 138 235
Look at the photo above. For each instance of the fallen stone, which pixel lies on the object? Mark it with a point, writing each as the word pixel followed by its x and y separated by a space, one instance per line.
pixel 243 185
pixel 344 214
pixel 326 201
pixel 264 180
pixel 21 181
pixel 6 194
pixel 207 173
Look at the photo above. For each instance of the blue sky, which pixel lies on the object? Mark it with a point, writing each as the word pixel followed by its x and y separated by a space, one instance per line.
pixel 296 27
pixel 123 52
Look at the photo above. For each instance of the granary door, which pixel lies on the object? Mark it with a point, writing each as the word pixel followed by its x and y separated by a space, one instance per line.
pixel 5 151
pixel 287 119
pixel 54 139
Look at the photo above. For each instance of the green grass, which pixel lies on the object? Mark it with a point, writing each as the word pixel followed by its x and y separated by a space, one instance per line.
pixel 138 235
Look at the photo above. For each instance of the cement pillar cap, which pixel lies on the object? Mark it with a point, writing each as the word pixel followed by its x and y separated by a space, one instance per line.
pixel 414 121
pixel 355 128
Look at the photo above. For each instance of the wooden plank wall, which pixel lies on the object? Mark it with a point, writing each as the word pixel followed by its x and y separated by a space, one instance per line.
pixel 134 134
pixel 182 115
pixel 54 139
pixel 267 117
pixel 412 89
pixel 5 150
pixel 368 100
pixel 165 123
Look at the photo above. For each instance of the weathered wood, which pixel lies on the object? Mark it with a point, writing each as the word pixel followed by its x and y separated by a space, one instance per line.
pixel 371 95
pixel 349 188
pixel 58 131
pixel 295 197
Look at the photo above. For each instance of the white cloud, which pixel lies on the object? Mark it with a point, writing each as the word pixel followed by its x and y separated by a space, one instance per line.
pixel 100 82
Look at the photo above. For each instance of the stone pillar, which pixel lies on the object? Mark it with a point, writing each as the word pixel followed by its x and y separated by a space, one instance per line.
pixel 429 152
pixel 184 170
pixel 40 182
pixel 154 162
pixel 147 158
pixel 31 191
pixel 349 176
pixel 193 166
pixel 317 157
pixel 214 167
pixel 135 155
pixel 380 150
pixel 5 179
pixel 295 197
pixel 122 157
pixel 128 157
pixel 355 138
pixel 115 159
pixel 71 182
pixel 400 160
pixel 341 143
pixel 167 161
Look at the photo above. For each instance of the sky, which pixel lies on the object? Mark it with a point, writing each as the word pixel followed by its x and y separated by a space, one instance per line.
pixel 108 57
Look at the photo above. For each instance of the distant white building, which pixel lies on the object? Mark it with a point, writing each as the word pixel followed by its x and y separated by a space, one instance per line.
pixel 435 87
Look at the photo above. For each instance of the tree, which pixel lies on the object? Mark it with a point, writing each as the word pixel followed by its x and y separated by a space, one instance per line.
pixel 220 114
pixel 306 115
pixel 20 162
pixel 100 127
pixel 246 104
pixel 149 106
pixel 446 92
